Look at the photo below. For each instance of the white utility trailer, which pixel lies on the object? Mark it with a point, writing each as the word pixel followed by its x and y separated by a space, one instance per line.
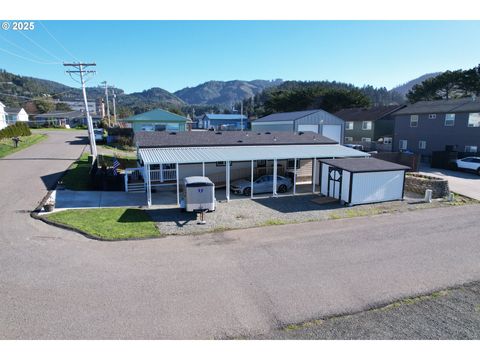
pixel 362 180
pixel 198 194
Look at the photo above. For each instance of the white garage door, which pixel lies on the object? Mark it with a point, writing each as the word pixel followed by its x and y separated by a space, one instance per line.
pixel 313 128
pixel 333 132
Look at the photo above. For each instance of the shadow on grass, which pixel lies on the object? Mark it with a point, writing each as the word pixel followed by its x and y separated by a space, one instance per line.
pixel 295 204
pixel 172 215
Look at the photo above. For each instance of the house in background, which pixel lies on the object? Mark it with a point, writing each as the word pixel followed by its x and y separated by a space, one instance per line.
pixel 3 120
pixel 62 118
pixel 428 126
pixel 224 122
pixel 364 125
pixel 317 121
pixel 16 114
pixel 158 120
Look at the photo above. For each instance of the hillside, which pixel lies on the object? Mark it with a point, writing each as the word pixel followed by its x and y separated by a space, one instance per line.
pixel 405 88
pixel 224 92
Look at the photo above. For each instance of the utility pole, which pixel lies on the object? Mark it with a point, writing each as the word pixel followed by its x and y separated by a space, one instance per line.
pixel 108 104
pixel 241 115
pixel 80 70
pixel 114 106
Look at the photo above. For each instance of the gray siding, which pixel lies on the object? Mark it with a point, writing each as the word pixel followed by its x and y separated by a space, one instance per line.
pixel 435 133
pixel 278 126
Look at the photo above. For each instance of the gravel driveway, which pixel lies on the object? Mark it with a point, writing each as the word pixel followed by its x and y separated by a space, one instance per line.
pixel 246 213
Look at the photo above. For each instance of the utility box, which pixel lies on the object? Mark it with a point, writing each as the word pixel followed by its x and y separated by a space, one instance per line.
pixel 198 194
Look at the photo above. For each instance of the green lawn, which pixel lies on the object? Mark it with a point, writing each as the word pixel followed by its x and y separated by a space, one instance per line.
pixel 77 176
pixel 110 224
pixel 6 145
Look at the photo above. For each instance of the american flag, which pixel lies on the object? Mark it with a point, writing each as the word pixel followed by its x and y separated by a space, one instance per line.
pixel 116 165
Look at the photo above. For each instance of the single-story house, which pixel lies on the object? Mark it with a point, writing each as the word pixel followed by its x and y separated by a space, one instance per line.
pixel 362 181
pixel 224 122
pixel 427 126
pixel 3 119
pixel 364 125
pixel 16 114
pixel 167 157
pixel 62 118
pixel 318 121
pixel 158 120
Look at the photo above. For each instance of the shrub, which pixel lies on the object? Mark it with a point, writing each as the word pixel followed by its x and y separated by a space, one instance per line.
pixel 125 141
pixel 17 129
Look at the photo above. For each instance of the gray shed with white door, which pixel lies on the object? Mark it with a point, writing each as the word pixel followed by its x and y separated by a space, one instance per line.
pixel 317 121
pixel 362 180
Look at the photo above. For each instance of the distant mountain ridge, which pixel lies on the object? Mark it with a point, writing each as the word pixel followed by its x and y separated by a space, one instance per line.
pixel 405 88
pixel 224 92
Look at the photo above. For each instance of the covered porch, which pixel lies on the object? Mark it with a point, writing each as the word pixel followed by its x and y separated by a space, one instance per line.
pixel 199 160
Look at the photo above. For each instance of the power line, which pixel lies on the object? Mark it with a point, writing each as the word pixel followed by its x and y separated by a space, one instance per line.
pixel 28 59
pixel 58 42
pixel 39 46
pixel 25 50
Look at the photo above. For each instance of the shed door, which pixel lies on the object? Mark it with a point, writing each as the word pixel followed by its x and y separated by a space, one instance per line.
pixel 334 182
pixel 313 128
pixel 333 132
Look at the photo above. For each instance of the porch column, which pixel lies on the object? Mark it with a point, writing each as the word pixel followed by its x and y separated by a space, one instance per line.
pixel 274 177
pixel 251 182
pixel 178 184
pixel 203 169
pixel 294 176
pixel 227 185
pixel 314 174
pixel 149 185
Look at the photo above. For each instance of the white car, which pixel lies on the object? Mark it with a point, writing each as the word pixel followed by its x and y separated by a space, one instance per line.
pixel 469 163
pixel 98 134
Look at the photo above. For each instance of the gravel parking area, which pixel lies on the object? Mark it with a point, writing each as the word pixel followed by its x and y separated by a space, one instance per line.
pixel 450 314
pixel 246 213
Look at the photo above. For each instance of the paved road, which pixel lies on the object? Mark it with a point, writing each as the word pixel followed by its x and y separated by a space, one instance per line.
pixel 445 315
pixel 461 182
pixel 58 284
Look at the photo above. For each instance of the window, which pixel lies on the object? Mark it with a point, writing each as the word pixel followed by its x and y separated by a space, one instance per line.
pixel 470 149
pixel 449 119
pixel 422 144
pixel 366 139
pixel 474 120
pixel 348 138
pixel 366 125
pixel 432 116
pixel 403 145
pixel 349 125
pixel 387 140
pixel 413 120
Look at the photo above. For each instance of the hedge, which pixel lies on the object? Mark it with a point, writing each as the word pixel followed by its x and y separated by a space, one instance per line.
pixel 17 129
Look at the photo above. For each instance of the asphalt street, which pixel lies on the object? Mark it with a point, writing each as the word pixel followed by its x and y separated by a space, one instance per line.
pixel 56 284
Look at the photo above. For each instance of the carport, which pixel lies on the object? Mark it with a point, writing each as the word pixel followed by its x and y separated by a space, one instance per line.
pixel 150 156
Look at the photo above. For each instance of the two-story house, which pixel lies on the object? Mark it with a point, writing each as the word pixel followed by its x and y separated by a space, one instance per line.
pixel 428 126
pixel 368 124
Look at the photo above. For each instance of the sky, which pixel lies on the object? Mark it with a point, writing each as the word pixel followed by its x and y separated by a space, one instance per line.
pixel 138 55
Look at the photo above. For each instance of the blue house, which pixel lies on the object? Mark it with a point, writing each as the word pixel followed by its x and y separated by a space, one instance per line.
pixel 223 122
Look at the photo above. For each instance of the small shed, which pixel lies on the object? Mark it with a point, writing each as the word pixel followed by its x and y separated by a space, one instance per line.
pixel 362 180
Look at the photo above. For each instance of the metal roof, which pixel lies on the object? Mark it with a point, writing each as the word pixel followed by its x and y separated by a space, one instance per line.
pixel 225 116
pixel 286 116
pixel 185 155
pixel 367 114
pixel 156 115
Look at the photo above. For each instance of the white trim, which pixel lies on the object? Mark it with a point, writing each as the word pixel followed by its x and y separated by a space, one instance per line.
pixel 227 184
pixel 251 181
pixel 314 172
pixel 275 177
pixel 149 185
pixel 294 176
pixel 178 183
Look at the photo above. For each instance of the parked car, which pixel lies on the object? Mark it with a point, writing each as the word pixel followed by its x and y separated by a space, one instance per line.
pixel 469 163
pixel 264 184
